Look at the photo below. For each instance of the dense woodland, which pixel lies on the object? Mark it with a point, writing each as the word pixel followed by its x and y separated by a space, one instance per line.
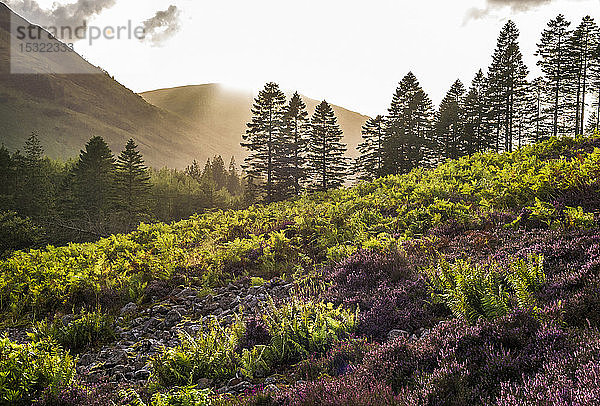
pixel 45 201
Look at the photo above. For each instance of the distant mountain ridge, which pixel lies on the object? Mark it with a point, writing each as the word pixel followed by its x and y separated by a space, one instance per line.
pixel 226 111
pixel 67 110
pixel 175 128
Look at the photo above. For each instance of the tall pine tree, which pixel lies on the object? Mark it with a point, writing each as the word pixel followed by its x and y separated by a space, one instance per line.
pixel 584 43
pixel 292 149
pixel 557 65
pixel 449 124
pixel 327 166
pixel 506 84
pixel 408 128
pixel 93 179
pixel 477 136
pixel 132 183
pixel 370 161
pixel 262 137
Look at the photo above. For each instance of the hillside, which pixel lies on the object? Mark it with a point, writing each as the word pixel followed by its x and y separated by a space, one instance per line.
pixel 226 112
pixel 67 110
pixel 472 283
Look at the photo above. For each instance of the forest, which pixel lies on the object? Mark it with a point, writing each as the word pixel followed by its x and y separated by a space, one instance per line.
pixel 456 261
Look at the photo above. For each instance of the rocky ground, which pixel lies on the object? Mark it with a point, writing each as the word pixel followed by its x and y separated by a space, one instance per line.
pixel 142 332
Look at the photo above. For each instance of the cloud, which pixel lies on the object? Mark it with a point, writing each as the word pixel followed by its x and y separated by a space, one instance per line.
pixel 162 26
pixel 515 6
pixel 60 15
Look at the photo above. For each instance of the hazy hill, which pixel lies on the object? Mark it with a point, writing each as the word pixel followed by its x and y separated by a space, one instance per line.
pixel 66 110
pixel 226 112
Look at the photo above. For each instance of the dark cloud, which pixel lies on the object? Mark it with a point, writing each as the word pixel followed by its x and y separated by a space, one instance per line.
pixel 162 26
pixel 515 5
pixel 67 15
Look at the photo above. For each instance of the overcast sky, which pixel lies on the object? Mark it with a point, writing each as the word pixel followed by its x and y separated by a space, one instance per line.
pixel 351 53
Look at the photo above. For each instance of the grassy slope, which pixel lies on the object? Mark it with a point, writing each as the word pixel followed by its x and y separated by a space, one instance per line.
pixel 299 235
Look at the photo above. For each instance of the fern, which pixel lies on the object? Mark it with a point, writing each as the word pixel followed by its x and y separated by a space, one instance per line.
pixel 472 291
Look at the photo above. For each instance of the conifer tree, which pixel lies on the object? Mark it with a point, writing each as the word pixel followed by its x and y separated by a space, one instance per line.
pixel 408 128
pixel 584 43
pixel 93 178
pixel 219 173
pixel 207 183
pixel 233 178
pixel 592 124
pixel 556 64
pixel 263 135
pixel 296 129
pixel 194 170
pixel 33 191
pixel 477 136
pixel 370 161
pixel 132 183
pixel 506 84
pixel 326 164
pixel 449 125
pixel 7 177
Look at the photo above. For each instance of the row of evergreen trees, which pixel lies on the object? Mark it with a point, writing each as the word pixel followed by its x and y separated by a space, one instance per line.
pixel 501 109
pixel 99 194
pixel 290 152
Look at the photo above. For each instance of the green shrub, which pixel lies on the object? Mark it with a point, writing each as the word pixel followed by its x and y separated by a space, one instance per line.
pixel 16 233
pixel 473 291
pixel 186 396
pixel 210 354
pixel 297 330
pixel 29 369
pixel 88 328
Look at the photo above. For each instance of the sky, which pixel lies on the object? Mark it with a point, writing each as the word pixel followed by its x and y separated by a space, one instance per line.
pixel 351 53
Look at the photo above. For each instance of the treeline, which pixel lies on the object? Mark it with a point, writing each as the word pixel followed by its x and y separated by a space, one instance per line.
pixel 44 201
pixel 500 110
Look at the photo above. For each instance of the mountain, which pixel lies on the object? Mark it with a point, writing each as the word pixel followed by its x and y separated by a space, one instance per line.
pixel 175 127
pixel 226 112
pixel 65 110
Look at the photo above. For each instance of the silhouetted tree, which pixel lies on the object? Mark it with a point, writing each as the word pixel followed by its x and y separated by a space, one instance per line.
pixel 132 183
pixel 583 45
pixel 370 161
pixel 449 124
pixel 476 129
pixel 506 84
pixel 408 128
pixel 262 136
pixel 557 65
pixel 327 166
pixel 93 178
pixel 296 130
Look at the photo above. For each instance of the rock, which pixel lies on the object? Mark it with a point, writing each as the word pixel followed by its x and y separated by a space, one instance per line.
pixel 142 375
pixel 68 318
pixel 116 357
pixel 172 318
pixel 129 308
pixel 394 334
pixel 273 379
pixel 234 381
pixel 86 359
pixel 203 383
pixel 272 389
pixel 241 387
